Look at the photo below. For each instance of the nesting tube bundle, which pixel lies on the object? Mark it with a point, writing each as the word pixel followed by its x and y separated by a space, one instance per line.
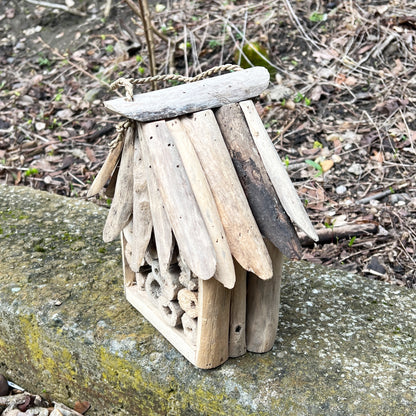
pixel 205 210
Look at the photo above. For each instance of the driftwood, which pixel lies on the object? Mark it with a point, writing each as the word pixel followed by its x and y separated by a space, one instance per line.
pixel 203 195
pixel 161 228
pixel 263 299
pixel 142 219
pixel 128 274
pixel 272 220
pixel 237 341
pixel 243 235
pixel 276 171
pixel 213 324
pixel 181 207
pixel 111 187
pixel 196 96
pixel 106 170
pixel 122 204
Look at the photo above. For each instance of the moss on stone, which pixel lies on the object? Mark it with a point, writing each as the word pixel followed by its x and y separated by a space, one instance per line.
pixel 345 345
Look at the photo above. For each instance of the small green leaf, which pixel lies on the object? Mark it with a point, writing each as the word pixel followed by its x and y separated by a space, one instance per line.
pixel 318 17
pixel 351 242
pixel 316 166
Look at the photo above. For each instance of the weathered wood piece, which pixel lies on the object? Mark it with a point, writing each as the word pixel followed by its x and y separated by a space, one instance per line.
pixel 128 232
pixel 213 324
pixel 263 300
pixel 152 313
pixel 203 195
pixel 270 216
pixel 128 274
pixel 195 96
pixel 122 204
pixel 111 187
pixel 142 219
pixel 243 236
pixel 188 301
pixel 106 170
pixel 161 227
pixel 181 207
pixel 276 171
pixel 237 341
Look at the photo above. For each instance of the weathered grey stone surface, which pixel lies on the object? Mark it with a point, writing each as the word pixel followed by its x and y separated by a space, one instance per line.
pixel 346 345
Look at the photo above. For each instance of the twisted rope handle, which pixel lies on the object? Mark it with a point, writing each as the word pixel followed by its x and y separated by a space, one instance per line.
pixel 129 83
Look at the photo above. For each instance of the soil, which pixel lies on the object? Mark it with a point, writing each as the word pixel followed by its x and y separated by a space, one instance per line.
pixel 341 107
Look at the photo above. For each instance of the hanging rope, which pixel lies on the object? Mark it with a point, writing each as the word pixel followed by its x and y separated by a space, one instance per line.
pixel 129 83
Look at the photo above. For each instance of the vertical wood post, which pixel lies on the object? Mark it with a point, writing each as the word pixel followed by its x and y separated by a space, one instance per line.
pixel 238 313
pixel 263 300
pixel 213 324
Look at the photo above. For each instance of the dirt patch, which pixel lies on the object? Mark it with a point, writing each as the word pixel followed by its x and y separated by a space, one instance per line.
pixel 341 108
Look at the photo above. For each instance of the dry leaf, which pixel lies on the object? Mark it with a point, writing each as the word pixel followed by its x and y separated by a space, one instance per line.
pixel 327 165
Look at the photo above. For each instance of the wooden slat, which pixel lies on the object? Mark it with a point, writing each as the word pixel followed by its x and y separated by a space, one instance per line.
pixel 270 216
pixel 243 236
pixel 142 220
pixel 237 341
pixel 179 201
pixel 122 204
pixel 200 187
pixel 263 300
pixel 188 98
pixel 106 170
pixel 161 227
pixel 276 171
pixel 213 324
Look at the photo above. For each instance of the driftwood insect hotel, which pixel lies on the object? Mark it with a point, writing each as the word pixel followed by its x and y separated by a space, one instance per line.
pixel 205 209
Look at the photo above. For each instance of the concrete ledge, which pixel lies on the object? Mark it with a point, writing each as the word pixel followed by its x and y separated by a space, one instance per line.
pixel 346 345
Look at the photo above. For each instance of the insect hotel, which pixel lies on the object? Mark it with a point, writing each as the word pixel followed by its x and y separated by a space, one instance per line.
pixel 204 207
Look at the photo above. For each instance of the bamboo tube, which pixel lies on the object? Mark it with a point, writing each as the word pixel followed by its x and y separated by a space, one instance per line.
pixel 237 342
pixel 270 216
pixel 190 328
pixel 122 204
pixel 206 203
pixel 213 324
pixel 171 311
pixel 106 170
pixel 179 201
pixel 186 277
pixel 141 276
pixel 243 235
pixel 188 301
pixel 153 287
pixel 263 300
pixel 170 283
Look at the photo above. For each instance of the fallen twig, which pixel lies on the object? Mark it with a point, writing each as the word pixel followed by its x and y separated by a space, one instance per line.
pixel 57 6
pixel 332 235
